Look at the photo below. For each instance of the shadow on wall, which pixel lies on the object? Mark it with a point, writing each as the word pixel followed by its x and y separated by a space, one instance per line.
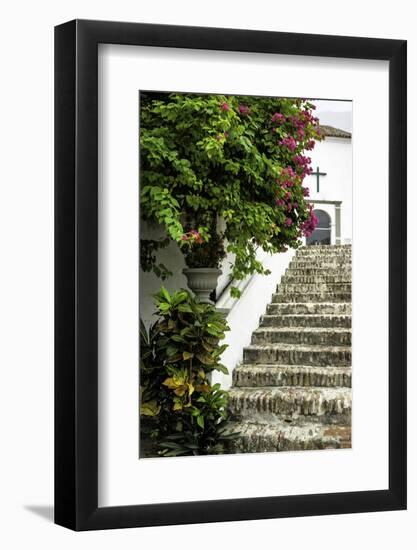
pixel 45 512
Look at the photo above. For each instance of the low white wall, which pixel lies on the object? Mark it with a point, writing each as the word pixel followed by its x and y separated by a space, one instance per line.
pixel 244 315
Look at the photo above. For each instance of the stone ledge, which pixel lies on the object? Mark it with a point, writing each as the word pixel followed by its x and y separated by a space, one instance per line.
pixel 297 277
pixel 271 404
pixel 309 308
pixel 311 297
pixel 258 438
pixel 291 375
pixel 328 336
pixel 304 321
pixel 293 354
pixel 312 288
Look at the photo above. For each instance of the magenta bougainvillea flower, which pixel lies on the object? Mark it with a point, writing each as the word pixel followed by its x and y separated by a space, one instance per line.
pixel 278 117
pixel 302 164
pixel 192 236
pixel 298 121
pixel 309 225
pixel 288 172
pixel 225 107
pixel 244 110
pixel 289 143
pixel 301 160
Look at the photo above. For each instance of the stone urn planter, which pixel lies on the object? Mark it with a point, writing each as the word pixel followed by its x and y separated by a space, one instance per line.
pixel 202 281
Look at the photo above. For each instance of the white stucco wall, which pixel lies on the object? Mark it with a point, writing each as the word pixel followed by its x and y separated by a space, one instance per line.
pixel 334 156
pixel 243 317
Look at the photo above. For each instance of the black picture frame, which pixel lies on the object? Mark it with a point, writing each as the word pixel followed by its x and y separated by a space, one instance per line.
pixel 76 271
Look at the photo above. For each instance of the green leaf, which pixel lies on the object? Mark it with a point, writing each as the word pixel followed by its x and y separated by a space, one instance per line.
pixel 185 308
pixel 165 294
pixel 221 368
pixel 200 421
pixel 205 358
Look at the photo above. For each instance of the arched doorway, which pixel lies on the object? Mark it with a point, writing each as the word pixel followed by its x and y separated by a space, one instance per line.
pixel 322 233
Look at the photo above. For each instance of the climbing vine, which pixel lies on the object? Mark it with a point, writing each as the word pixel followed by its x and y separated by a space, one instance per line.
pixel 240 160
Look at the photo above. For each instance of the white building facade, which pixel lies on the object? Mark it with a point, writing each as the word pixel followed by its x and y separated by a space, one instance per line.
pixel 331 187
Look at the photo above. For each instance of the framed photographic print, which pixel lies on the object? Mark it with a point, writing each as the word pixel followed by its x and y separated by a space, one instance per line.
pixel 230 275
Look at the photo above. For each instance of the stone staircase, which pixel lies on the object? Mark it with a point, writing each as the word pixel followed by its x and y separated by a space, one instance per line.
pixel 293 389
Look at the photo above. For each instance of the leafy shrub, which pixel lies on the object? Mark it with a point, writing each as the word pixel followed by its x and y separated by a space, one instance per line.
pixel 180 410
pixel 238 158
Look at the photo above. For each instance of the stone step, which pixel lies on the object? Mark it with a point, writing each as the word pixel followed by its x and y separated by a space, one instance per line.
pixel 293 354
pixel 325 247
pixel 319 271
pixel 309 308
pixel 302 335
pixel 320 259
pixel 292 404
pixel 312 288
pixel 329 250
pixel 332 297
pixel 328 264
pixel 306 320
pixel 291 375
pixel 299 278
pixel 323 254
pixel 262 438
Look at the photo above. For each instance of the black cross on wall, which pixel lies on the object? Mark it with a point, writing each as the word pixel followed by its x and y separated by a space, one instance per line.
pixel 317 173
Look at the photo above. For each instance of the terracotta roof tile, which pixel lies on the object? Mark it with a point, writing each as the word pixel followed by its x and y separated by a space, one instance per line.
pixel 330 131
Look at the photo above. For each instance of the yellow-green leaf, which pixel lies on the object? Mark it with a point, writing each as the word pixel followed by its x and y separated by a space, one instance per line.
pixel 150 408
pixel 170 383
